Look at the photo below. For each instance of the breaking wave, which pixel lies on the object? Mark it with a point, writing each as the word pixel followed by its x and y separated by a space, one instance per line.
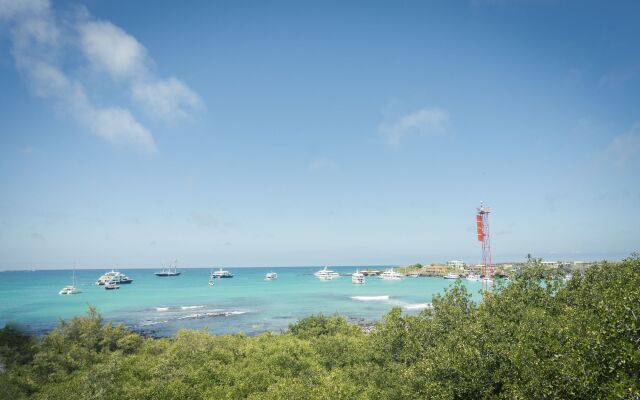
pixel 371 298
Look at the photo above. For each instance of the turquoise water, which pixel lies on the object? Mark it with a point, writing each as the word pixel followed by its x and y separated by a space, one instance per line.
pixel 246 303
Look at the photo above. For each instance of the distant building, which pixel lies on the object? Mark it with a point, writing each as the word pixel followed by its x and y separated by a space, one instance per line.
pixel 455 264
pixel 551 264
pixel 436 269
pixel 473 269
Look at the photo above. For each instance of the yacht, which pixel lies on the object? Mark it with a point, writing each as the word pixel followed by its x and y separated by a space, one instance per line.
pixel 357 278
pixel 71 289
pixel 414 275
pixel 391 275
pixel 451 275
pixel 326 274
pixel 169 271
pixel 115 276
pixel 473 278
pixel 271 276
pixel 220 273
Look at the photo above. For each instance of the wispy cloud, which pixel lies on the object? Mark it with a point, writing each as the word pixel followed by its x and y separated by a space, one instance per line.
pixel 626 147
pixel 41 47
pixel 426 122
pixel 617 77
pixel 321 164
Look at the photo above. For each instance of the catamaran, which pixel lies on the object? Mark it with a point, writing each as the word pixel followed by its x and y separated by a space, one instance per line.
pixel 169 271
pixel 71 289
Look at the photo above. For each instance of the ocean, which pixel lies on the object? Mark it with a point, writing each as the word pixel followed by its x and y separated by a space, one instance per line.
pixel 245 303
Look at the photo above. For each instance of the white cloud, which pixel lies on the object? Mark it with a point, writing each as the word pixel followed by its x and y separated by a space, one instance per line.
pixel 119 127
pixel 111 49
pixel 12 8
pixel 626 147
pixel 168 100
pixel 39 46
pixel 427 121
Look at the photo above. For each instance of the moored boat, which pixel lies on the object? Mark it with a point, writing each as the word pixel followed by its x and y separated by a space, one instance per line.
pixel 71 289
pixel 391 275
pixel 326 274
pixel 451 275
pixel 115 276
pixel 473 278
pixel 169 271
pixel 357 278
pixel 271 276
pixel 220 273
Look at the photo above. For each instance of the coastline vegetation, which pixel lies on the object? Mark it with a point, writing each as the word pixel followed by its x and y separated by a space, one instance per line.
pixel 536 337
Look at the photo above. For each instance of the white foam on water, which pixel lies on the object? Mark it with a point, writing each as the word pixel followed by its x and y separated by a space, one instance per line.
pixel 228 313
pixel 151 323
pixel 371 298
pixel 418 306
pixel 190 307
pixel 162 308
pixel 211 314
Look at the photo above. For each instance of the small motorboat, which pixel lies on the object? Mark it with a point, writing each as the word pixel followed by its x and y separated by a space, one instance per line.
pixel 111 285
pixel 473 278
pixel 271 276
pixel 451 276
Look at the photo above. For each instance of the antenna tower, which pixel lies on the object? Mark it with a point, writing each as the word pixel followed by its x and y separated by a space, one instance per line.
pixel 482 224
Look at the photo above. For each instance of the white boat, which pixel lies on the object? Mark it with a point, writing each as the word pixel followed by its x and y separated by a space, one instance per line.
pixel 111 285
pixel 115 276
pixel 326 274
pixel 220 273
pixel 271 276
pixel 487 280
pixel 473 278
pixel 451 276
pixel 71 289
pixel 391 275
pixel 357 278
pixel 212 281
pixel 414 275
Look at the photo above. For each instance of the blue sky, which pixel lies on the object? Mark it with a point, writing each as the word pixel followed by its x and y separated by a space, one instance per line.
pixel 310 133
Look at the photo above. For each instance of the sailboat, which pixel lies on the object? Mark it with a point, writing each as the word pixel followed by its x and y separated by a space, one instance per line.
pixel 169 271
pixel 71 289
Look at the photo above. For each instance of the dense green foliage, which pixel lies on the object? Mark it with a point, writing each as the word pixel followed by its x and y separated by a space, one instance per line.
pixel 535 338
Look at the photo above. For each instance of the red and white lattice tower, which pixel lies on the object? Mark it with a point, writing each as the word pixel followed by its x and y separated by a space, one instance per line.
pixel 482 224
